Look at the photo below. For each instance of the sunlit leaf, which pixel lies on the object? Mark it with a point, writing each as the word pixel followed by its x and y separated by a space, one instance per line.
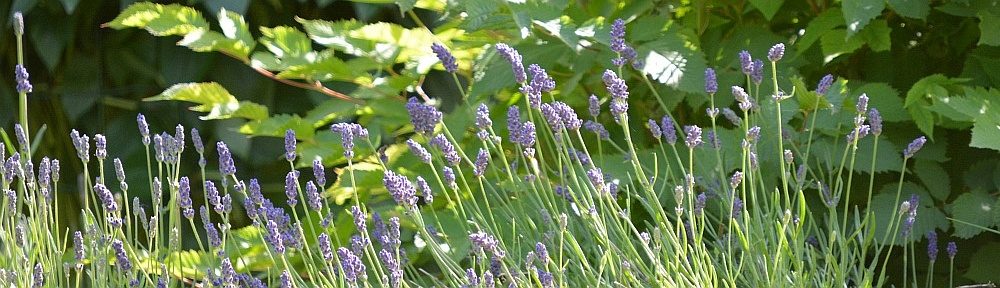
pixel 213 99
pixel 160 20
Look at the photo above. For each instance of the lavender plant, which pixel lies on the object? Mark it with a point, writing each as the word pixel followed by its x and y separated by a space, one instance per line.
pixel 535 207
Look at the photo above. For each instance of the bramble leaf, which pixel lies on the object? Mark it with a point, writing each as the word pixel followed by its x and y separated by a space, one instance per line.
pixel 973 208
pixel 159 20
pixel 858 13
pixel 213 99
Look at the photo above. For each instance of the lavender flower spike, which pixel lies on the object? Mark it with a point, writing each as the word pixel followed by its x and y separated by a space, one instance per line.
pixel 290 145
pixel 914 147
pixel 319 172
pixel 824 84
pixel 619 93
pixel 184 197
pixel 123 263
pixel 351 265
pixel 424 117
pixel 514 58
pixel 875 121
pixel 952 249
pixel 226 165
pixel 654 128
pixel 143 128
pixel 669 131
pixel 445 56
pixel 291 187
pixel 401 189
pixel 100 147
pixel 693 136
pixel 746 62
pixel 757 74
pixel 482 159
pixel 313 197
pixel 18 23
pixel 483 121
pixel 776 52
pixel 21 76
pixel 742 97
pixel 711 83
pixel 932 248
pixel 594 106
pixel 419 151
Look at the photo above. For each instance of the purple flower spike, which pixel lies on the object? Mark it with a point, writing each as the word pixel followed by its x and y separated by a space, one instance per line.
pixel 22 138
pixel 199 146
pixel 875 121
pixel 324 246
pixel 952 249
pixel 932 246
pixel 483 121
pixel 143 128
pixel 226 165
pixel 313 196
pixel 419 151
pixel 446 58
pixel 424 117
pixel 482 159
pixel 824 84
pixel 594 106
pixel 349 132
pixel 618 35
pixel 711 83
pixel 319 172
pixel 757 74
pixel 862 105
pixel 448 149
pixel 106 197
pixel 351 265
pixel 654 128
pixel 21 76
pixel 101 147
pixel 123 263
pixel 449 177
pixel 596 177
pixel 514 58
pixel 746 62
pixel 742 97
pixel 669 131
pixel 184 197
pixel 914 147
pixel 291 187
pixel 18 23
pixel 692 136
pixel 597 128
pixel 290 145
pixel 400 188
pixel 776 52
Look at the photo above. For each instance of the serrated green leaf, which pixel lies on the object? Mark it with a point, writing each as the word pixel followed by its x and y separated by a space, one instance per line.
pixel 876 35
pixel 824 22
pixel 367 179
pixel 207 41
pixel 888 158
pixel 934 178
pixel 911 8
pixel 287 43
pixel 395 44
pixel 982 264
pixel 670 62
pixel 858 13
pixel 213 99
pixel 989 23
pixel 886 99
pixel 326 67
pixel 767 7
pixel 835 43
pixel 971 208
pixel 275 126
pixel 986 132
pixel 159 20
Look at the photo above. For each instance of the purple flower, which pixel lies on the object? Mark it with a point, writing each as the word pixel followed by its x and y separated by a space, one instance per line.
pixel 143 128
pixel 619 93
pixel 212 193
pixel 597 128
pixel 540 83
pixel 351 265
pixel 824 84
pixel 324 246
pixel 101 147
pixel 449 177
pixel 291 187
pixel 210 231
pixel 596 177
pixel 669 131
pixel 450 155
pixel 349 131
pixel 425 189
pixel 199 146
pixel 753 134
pixel 184 197
pixel 313 197
pixel 484 242
pixel 618 35
pixel 78 249
pixel 482 159
pixel 274 237
pixel 567 118
pixel 711 83
pixel 226 165
pixel 932 248
pixel 692 136
pixel 746 62
pixel 22 138
pixel 875 121
pixel 548 281
pixel 123 263
pixel 319 172
pixel 424 117
pixel 699 203
pixel 359 218
pixel 254 193
pixel 731 116
pixel 483 121
pixel 488 280
pixel 286 279
pixel 514 58
pixel 54 169
pixel 742 97
pixel 419 151
pixel 513 122
pixel 39 276
pixel 952 249
pixel 541 252
pixel 862 105
pixel 446 58
pixel 290 145
pixel 400 188
pixel 106 197
pixel 737 207
pixel 735 180
pixel 776 52
pixel 594 106
pixel 757 75
pixel 914 147
pixel 21 76
pixel 654 128
pixel 82 144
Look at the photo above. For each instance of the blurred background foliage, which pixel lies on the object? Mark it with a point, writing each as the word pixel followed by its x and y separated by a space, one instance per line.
pixel 929 66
